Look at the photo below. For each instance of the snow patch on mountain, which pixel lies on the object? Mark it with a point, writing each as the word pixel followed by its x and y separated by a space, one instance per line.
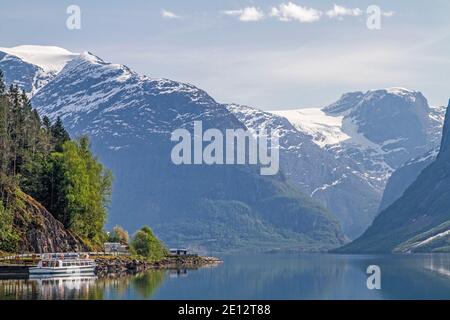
pixel 379 129
pixel 326 186
pixel 401 92
pixel 325 129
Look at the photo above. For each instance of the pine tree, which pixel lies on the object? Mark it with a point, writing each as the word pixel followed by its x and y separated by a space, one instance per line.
pixel 4 136
pixel 59 134
pixel 2 84
pixel 47 124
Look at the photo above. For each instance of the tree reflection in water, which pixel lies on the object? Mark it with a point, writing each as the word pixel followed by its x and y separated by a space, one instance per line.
pixel 86 287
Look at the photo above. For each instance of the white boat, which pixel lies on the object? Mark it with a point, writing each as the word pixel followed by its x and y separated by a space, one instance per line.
pixel 64 264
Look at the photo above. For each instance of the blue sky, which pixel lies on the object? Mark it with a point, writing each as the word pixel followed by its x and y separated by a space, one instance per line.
pixel 247 52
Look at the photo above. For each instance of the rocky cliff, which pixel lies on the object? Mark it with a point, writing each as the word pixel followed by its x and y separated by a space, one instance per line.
pixel 38 230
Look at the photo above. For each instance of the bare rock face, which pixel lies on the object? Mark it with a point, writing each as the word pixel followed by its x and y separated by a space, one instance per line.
pixel 39 231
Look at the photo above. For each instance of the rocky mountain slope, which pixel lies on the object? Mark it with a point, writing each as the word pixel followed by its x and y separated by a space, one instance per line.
pixel 418 221
pixel 37 230
pixel 404 176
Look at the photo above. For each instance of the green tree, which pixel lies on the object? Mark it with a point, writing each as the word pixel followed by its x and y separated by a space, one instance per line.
pixel 146 244
pixel 47 124
pixel 59 134
pixel 78 189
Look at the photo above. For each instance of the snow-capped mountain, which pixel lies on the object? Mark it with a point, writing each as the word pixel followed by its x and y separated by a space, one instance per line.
pixel 130 117
pixel 337 182
pixel 111 101
pixel 381 129
pixel 364 138
pixel 32 67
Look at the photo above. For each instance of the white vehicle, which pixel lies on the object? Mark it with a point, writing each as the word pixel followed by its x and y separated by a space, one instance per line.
pixel 64 264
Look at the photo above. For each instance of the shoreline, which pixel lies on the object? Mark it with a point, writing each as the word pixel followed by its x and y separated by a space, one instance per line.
pixel 129 265
pixel 121 265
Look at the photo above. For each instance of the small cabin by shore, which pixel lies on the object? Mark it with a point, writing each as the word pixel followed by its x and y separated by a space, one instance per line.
pixel 115 247
pixel 179 252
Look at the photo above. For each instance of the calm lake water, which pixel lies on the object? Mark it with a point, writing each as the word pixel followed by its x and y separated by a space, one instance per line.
pixel 264 276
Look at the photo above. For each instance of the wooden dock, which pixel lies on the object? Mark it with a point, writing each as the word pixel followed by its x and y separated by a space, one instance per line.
pixel 8 271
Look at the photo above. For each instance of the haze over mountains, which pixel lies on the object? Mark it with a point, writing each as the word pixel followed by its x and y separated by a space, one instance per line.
pixel 335 161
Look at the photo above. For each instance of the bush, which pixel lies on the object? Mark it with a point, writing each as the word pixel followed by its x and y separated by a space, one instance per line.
pixel 119 235
pixel 146 244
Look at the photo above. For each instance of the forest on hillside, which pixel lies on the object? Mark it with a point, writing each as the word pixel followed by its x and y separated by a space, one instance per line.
pixel 39 158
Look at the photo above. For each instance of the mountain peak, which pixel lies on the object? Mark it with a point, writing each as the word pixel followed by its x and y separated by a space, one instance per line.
pixel 89 56
pixel 346 102
pixel 351 101
pixel 48 58
pixel 399 91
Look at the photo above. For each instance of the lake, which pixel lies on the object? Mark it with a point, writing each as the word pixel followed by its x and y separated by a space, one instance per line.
pixel 259 276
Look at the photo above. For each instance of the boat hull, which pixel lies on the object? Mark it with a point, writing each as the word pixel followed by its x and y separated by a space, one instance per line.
pixel 62 271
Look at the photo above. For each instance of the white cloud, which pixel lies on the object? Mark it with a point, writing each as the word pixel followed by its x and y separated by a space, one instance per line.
pixel 169 14
pixel 340 11
pixel 388 13
pixel 291 11
pixel 248 14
